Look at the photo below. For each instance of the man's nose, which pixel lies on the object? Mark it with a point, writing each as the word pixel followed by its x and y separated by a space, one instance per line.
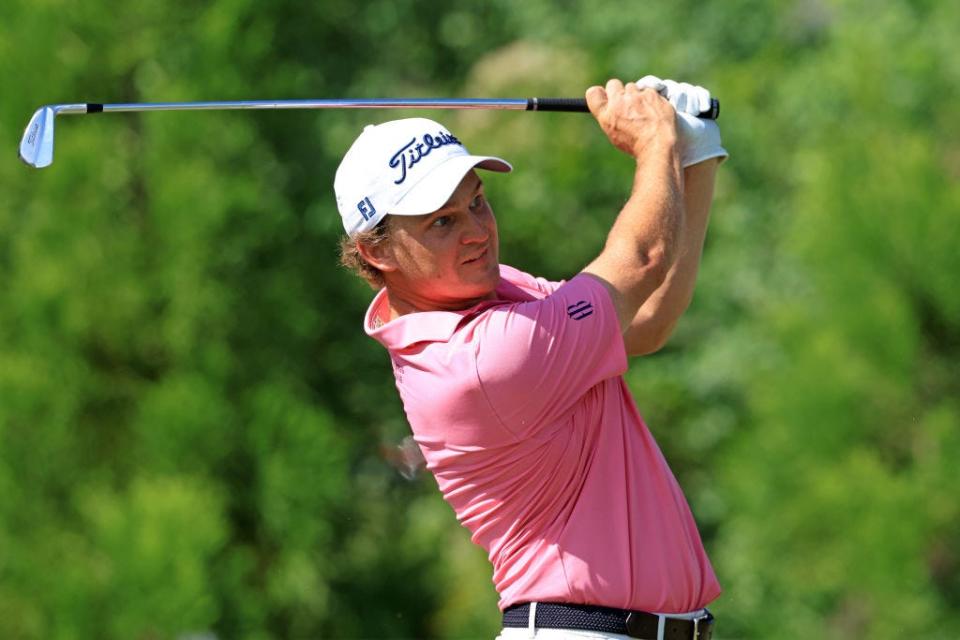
pixel 475 230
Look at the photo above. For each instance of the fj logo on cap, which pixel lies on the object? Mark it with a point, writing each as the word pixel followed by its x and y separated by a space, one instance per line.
pixel 366 209
pixel 413 152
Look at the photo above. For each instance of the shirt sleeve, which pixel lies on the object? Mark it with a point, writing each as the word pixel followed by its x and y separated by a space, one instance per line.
pixel 536 359
pixel 533 283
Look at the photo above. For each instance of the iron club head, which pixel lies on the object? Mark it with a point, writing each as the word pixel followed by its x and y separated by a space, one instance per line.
pixel 36 147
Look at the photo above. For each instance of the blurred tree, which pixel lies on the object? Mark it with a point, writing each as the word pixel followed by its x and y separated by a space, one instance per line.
pixel 843 511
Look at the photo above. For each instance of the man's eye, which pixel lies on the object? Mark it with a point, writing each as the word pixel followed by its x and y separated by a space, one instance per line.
pixel 442 221
pixel 477 201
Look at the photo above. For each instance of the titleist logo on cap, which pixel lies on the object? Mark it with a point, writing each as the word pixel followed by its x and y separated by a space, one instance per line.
pixel 413 152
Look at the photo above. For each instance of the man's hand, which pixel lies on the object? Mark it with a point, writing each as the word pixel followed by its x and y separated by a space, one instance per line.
pixel 685 98
pixel 699 138
pixel 634 119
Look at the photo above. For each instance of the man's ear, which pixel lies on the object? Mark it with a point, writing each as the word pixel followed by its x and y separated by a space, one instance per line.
pixel 378 255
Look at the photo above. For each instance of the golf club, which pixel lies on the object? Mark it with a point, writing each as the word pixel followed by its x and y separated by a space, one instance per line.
pixel 36 146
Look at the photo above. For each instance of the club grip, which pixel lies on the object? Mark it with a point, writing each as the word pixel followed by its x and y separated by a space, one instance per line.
pixel 557 104
pixel 580 105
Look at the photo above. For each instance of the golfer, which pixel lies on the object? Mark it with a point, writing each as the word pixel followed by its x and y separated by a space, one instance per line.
pixel 513 385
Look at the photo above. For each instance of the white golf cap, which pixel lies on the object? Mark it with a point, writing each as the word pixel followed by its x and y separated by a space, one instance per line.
pixel 403 167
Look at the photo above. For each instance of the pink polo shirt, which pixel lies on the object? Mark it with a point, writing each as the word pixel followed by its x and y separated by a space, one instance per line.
pixel 520 409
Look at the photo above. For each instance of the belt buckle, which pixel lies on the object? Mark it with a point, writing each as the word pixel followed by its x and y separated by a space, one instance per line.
pixel 630 622
pixel 706 617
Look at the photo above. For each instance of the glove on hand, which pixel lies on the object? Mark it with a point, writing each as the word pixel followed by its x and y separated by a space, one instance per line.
pixel 699 138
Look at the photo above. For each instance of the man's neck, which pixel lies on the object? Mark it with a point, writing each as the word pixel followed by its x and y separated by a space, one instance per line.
pixel 399 304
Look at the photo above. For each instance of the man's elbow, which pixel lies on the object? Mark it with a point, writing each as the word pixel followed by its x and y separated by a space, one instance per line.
pixel 656 264
pixel 647 340
pixel 649 268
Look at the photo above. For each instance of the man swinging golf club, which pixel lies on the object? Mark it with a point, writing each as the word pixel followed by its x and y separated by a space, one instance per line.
pixel 513 384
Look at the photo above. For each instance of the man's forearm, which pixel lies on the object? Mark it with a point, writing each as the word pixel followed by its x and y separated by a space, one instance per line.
pixel 656 318
pixel 644 241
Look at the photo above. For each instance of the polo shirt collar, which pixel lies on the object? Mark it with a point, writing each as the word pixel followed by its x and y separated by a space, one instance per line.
pixel 399 333
pixel 426 326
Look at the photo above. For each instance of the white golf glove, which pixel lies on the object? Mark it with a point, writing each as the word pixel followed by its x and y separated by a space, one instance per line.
pixel 699 138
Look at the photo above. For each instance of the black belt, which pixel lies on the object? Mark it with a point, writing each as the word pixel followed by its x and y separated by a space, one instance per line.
pixel 586 617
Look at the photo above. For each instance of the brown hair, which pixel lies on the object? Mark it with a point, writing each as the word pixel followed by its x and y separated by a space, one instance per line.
pixel 350 256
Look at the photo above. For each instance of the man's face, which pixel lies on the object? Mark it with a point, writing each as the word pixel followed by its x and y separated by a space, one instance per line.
pixel 447 259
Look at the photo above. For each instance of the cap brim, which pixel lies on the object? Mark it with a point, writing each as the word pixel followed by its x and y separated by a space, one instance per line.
pixel 435 188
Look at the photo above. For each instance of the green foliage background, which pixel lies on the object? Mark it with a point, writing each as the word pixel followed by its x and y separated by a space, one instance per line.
pixel 193 424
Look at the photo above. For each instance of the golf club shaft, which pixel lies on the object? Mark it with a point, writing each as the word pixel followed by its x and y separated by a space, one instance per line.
pixel 36 145
pixel 517 104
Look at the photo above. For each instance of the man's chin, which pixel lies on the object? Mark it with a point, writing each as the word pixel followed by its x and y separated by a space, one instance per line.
pixel 482 288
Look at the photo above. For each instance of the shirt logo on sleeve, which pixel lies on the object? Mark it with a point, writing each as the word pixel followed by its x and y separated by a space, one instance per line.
pixel 580 310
